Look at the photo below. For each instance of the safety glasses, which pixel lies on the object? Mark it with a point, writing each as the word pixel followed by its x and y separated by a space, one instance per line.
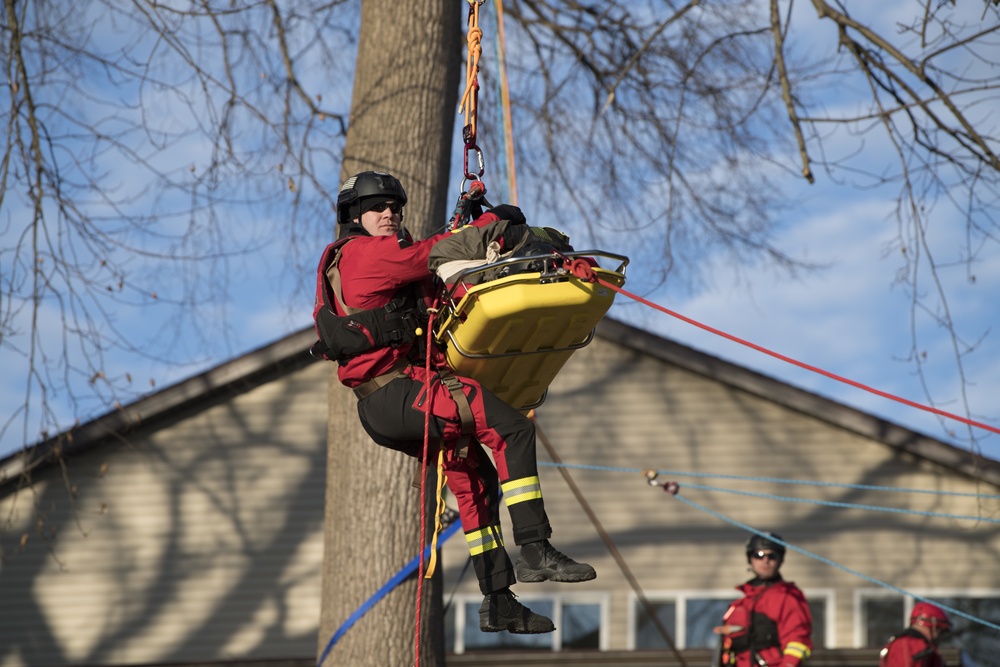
pixel 765 555
pixel 393 206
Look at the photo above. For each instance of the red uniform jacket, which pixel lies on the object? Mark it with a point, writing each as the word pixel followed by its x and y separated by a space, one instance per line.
pixel 777 626
pixel 373 269
pixel 910 649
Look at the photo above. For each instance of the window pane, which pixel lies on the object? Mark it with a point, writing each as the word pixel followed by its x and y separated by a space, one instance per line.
pixel 817 607
pixel 703 614
pixel 581 626
pixel 647 635
pixel 980 645
pixel 883 618
pixel 476 640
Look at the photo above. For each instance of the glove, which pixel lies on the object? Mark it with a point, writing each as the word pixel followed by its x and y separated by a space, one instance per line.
pixel 509 212
pixel 475 209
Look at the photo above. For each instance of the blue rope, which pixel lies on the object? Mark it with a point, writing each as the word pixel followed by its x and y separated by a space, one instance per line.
pixel 397 579
pixel 827 561
pixel 774 480
pixel 834 503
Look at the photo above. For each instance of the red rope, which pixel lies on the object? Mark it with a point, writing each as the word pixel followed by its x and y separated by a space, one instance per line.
pixel 423 484
pixel 584 271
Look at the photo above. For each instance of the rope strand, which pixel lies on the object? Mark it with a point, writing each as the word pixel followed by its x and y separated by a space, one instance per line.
pixel 795 362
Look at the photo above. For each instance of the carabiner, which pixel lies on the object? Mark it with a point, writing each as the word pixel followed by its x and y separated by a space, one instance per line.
pixel 465 162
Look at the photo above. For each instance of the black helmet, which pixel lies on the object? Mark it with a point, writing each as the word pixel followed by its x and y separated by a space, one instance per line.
pixel 761 542
pixel 362 186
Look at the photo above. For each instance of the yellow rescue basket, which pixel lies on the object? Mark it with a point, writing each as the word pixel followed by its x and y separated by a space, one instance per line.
pixel 514 334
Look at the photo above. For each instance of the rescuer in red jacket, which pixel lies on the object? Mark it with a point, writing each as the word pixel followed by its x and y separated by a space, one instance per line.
pixel 376 278
pixel 917 645
pixel 770 626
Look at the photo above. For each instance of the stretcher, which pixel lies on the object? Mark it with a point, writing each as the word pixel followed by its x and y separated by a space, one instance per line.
pixel 515 333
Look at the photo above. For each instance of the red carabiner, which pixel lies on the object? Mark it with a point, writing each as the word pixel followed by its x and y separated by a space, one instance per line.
pixel 470 175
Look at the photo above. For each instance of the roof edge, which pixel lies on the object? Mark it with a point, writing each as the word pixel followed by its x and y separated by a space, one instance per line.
pixel 291 353
pixel 244 372
pixel 802 400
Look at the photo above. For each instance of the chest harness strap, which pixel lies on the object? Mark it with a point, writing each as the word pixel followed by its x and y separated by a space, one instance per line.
pixel 397 370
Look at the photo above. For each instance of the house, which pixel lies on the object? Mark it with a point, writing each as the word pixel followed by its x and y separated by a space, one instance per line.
pixel 186 528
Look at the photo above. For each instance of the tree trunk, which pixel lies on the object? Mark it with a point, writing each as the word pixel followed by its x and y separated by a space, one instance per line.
pixel 402 119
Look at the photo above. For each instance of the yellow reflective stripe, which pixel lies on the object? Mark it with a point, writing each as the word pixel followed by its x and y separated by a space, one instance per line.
pixel 483 540
pixel 797 650
pixel 518 490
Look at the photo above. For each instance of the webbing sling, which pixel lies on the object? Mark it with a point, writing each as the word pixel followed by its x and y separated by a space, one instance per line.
pixel 453 385
pixel 439 510
pixel 333 275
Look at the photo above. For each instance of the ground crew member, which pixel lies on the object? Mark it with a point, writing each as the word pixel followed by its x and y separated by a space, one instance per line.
pixel 917 645
pixel 771 625
pixel 375 267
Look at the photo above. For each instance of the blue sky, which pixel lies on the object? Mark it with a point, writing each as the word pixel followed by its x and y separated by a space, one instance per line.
pixel 852 317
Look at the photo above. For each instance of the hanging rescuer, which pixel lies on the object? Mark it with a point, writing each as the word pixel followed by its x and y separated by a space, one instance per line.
pixel 372 286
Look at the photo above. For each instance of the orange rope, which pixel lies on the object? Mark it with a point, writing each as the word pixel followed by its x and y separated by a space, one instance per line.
pixel 508 126
pixel 474 39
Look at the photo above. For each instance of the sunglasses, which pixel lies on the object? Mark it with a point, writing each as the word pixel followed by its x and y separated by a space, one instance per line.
pixel 766 555
pixel 394 206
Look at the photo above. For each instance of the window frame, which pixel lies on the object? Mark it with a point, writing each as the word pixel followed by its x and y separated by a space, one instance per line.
pixel 681 597
pixel 860 594
pixel 602 599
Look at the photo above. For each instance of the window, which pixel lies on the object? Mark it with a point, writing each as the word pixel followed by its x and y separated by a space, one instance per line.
pixel 647 634
pixel 701 616
pixel 580 621
pixel 883 615
pixel 817 607
pixel 581 626
pixel 691 616
pixel 980 645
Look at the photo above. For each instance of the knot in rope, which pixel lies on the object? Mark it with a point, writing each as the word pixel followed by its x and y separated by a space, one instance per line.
pixel 469 97
pixel 582 269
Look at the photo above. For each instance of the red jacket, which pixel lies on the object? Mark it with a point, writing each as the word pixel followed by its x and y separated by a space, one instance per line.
pixel 373 269
pixel 910 649
pixel 776 622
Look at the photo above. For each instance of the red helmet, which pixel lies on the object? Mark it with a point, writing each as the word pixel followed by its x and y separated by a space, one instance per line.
pixel 926 614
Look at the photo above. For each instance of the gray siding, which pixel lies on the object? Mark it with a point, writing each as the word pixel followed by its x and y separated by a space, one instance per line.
pixel 201 539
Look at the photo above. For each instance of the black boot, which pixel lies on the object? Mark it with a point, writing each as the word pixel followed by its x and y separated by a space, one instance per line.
pixel 501 611
pixel 540 561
